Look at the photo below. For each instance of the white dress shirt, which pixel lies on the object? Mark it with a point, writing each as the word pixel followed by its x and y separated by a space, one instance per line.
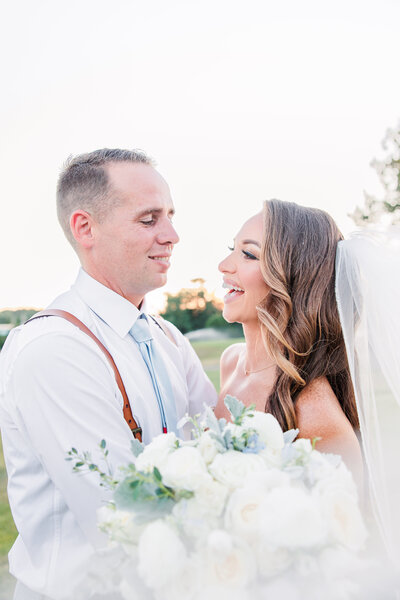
pixel 58 391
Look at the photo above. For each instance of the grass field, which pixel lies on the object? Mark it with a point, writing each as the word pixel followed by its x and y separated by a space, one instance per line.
pixel 209 354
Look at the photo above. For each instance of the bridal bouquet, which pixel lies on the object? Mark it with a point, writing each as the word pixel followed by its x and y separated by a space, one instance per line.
pixel 232 513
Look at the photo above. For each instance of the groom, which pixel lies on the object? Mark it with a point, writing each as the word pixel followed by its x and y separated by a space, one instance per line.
pixel 57 388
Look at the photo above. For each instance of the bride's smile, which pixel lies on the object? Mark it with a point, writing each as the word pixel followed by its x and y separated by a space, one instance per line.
pixel 242 274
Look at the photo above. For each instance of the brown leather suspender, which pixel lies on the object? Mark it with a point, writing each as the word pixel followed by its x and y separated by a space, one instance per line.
pixel 133 426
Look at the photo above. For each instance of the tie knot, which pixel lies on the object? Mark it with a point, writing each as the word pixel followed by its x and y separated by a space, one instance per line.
pixel 141 330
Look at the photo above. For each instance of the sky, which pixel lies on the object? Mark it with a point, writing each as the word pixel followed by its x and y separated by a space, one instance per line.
pixel 237 102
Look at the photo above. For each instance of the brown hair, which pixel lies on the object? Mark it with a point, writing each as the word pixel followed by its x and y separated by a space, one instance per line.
pixel 299 317
pixel 83 183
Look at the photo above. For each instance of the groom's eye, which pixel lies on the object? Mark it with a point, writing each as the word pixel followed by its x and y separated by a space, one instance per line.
pixel 148 221
pixel 249 255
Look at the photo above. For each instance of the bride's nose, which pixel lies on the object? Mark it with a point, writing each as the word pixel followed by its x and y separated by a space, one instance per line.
pixel 227 265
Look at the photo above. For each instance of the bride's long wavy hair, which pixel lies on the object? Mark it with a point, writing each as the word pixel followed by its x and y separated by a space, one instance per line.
pixel 299 317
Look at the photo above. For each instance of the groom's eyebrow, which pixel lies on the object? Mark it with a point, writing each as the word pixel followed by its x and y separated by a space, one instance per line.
pixel 154 211
pixel 252 242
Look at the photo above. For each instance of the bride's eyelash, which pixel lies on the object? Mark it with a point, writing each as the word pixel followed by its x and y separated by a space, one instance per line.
pixel 249 255
pixel 231 248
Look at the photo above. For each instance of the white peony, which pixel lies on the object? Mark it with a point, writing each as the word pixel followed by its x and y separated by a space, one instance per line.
pixel 268 429
pixel 211 497
pixel 292 518
pixel 231 467
pixel 208 447
pixel 267 480
pixel 243 512
pixel 184 587
pixel 156 453
pixel 271 561
pixel 192 521
pixel 162 555
pixel 341 511
pixel 339 563
pixel 220 542
pixel 185 468
pixel 233 568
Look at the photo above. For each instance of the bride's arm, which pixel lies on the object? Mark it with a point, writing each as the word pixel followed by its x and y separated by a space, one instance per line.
pixel 319 414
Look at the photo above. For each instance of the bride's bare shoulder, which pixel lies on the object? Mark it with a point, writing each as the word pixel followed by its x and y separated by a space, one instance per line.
pixel 319 415
pixel 230 357
pixel 318 410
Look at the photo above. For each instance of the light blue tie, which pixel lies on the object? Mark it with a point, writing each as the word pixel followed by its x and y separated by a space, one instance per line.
pixel 158 373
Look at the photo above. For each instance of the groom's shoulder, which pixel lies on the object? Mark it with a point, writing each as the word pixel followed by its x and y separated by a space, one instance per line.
pixel 45 335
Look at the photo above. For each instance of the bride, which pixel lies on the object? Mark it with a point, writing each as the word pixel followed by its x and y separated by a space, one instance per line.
pixel 321 352
pixel 280 276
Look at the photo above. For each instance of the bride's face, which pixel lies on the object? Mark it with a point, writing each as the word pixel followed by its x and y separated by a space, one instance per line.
pixel 242 274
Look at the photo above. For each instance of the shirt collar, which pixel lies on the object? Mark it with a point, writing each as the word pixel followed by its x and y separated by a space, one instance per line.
pixel 112 308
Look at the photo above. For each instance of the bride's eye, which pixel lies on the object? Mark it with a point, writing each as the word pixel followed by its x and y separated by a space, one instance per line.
pixel 249 255
pixel 231 248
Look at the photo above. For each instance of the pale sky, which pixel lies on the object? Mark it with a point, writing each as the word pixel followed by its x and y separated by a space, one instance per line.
pixel 237 101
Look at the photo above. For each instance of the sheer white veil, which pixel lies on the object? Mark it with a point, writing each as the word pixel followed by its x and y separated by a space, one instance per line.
pixel 368 297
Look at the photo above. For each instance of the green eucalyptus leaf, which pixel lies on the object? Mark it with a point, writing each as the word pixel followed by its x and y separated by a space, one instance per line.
pixel 157 474
pixel 136 447
pixel 235 407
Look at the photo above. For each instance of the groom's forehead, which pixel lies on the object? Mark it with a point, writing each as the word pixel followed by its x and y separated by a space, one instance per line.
pixel 139 184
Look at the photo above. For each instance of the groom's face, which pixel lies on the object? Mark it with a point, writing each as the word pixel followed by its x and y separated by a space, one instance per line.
pixel 133 244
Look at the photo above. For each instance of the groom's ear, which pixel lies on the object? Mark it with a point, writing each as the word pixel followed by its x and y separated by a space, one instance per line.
pixel 81 224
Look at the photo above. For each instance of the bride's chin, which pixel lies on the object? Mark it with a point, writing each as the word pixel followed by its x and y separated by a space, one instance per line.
pixel 231 318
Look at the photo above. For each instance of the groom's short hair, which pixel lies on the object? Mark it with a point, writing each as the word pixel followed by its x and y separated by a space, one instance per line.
pixel 84 184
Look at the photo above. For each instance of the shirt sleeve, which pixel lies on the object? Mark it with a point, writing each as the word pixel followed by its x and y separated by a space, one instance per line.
pixel 200 389
pixel 64 396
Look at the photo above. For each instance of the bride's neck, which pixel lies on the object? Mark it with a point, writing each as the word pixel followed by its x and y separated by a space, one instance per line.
pixel 256 354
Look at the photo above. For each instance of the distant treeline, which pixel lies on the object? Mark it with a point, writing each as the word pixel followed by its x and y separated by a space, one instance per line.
pixel 196 308
pixel 15 317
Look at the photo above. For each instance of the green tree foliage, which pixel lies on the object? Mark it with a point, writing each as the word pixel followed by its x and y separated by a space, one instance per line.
pixel 387 208
pixel 195 308
pixel 17 316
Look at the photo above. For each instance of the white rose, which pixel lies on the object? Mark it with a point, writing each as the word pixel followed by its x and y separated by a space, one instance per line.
pixel 343 516
pixel 233 568
pixel 334 477
pixel 231 467
pixel 338 563
pixel 156 453
pixel 267 480
pixel 211 497
pixel 207 447
pixel 191 519
pixel 271 561
pixel 291 518
pixel 220 542
pixel 243 511
pixel 280 587
pixel 162 555
pixel 267 427
pixel 119 525
pixel 185 468
pixel 184 587
pixel 222 592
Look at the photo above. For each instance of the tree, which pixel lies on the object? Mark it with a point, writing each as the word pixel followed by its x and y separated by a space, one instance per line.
pixel 196 308
pixel 388 207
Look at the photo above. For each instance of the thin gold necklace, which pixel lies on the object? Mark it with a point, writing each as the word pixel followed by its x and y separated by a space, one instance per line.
pixel 246 372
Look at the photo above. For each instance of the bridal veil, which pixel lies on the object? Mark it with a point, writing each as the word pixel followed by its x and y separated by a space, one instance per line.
pixel 368 297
